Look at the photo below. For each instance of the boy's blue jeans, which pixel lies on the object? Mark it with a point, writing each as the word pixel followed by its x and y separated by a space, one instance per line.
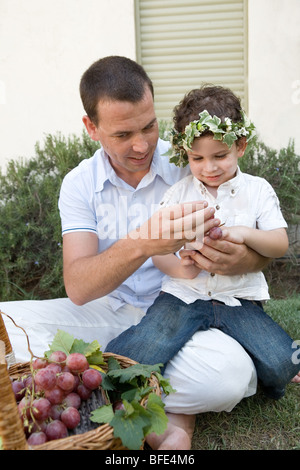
pixel 169 323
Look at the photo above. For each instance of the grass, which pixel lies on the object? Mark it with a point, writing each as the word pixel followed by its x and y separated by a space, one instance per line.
pixel 258 423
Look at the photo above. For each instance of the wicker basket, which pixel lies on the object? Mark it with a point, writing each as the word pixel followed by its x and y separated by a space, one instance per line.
pixel 11 427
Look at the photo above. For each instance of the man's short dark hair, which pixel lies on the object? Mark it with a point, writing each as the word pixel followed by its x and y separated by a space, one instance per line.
pixel 115 78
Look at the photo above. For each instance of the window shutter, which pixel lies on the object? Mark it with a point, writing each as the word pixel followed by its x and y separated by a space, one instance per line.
pixel 182 45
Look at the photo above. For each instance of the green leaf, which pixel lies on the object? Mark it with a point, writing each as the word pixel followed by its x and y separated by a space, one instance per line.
pixel 165 384
pixel 65 342
pixel 136 393
pixel 106 383
pixel 79 346
pixel 159 420
pixel 113 363
pixel 137 370
pixel 104 414
pixel 62 341
pixel 129 408
pixel 130 427
pixel 132 394
pixel 90 350
pixel 96 358
pixel 229 139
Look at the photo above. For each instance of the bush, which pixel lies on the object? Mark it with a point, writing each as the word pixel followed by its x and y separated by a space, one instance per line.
pixel 282 170
pixel 30 232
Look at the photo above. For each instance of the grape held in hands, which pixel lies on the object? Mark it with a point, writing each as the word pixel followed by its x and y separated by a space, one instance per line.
pixel 215 233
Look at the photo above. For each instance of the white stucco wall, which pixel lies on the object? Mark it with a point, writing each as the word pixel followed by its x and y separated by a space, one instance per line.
pixel 274 70
pixel 45 46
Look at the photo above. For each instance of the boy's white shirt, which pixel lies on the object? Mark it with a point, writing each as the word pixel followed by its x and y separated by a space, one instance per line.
pixel 244 200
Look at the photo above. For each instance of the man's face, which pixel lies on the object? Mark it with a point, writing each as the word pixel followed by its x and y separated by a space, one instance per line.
pixel 128 133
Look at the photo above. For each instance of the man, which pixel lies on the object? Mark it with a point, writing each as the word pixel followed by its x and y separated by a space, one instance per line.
pixel 112 226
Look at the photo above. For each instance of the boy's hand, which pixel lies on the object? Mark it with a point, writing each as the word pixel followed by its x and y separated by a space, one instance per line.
pixel 189 269
pixel 236 234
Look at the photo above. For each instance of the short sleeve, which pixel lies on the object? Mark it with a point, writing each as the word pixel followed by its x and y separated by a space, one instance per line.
pixel 269 216
pixel 76 211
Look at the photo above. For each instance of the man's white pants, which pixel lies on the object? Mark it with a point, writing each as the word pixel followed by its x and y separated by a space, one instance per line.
pixel 212 372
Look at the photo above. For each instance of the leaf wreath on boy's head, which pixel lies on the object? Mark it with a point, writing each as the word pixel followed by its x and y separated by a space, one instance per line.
pixel 226 131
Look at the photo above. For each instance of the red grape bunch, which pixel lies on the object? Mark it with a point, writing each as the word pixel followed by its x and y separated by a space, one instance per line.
pixel 49 399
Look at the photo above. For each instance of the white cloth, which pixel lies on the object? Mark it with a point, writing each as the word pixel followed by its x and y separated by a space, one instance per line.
pixel 244 200
pixel 211 373
pixel 42 318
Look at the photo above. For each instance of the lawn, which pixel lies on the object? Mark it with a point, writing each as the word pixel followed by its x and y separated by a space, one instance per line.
pixel 258 423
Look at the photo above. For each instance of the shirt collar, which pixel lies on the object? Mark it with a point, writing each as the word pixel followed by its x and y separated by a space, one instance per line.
pixel 158 166
pixel 160 163
pixel 232 185
pixel 103 169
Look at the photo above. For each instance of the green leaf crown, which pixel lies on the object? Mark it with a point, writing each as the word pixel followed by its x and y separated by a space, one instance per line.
pixel 226 131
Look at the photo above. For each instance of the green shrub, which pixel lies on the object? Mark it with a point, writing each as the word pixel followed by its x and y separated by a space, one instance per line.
pixel 282 170
pixel 30 231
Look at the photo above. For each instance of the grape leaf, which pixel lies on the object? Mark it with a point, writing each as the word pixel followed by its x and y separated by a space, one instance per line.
pixel 131 394
pixel 165 384
pixel 133 423
pixel 104 414
pixel 96 358
pixel 129 424
pixel 158 419
pixel 137 370
pixel 113 363
pixel 136 393
pixel 90 350
pixel 62 341
pixel 79 346
pixel 65 342
pixel 106 383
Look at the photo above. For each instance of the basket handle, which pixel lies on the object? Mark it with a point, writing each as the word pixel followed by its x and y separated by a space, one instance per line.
pixel 10 356
pixel 11 427
pixel 4 335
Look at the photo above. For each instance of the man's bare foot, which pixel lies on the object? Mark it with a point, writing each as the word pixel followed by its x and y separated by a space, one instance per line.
pixel 296 379
pixel 178 435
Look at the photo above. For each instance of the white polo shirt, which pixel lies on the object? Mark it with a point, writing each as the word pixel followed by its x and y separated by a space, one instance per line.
pixel 94 199
pixel 244 200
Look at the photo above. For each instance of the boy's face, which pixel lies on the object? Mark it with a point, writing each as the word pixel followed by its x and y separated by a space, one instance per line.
pixel 212 162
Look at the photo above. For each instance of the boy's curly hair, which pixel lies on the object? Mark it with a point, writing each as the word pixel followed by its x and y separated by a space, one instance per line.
pixel 217 100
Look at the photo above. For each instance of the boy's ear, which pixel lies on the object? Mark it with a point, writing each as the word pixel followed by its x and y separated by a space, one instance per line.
pixel 241 146
pixel 91 128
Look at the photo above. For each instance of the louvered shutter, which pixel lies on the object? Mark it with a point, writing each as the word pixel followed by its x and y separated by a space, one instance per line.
pixel 184 44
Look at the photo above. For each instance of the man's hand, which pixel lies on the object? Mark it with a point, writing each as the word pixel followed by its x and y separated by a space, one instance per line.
pixel 171 227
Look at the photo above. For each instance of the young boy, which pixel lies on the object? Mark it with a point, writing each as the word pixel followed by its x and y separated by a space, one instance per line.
pixel 211 133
